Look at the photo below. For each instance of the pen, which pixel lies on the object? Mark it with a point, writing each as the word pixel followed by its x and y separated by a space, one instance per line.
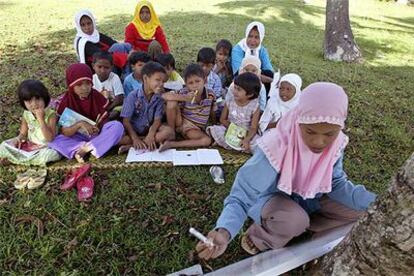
pixel 201 237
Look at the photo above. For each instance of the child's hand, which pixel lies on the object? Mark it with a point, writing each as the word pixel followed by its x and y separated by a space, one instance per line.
pixel 170 96
pixel 39 114
pixel 138 143
pixel 149 140
pixel 245 145
pixel 106 93
pixel 220 239
pixel 159 90
pixel 18 141
pixel 90 129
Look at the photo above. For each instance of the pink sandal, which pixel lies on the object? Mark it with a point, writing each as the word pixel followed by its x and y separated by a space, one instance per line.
pixel 85 188
pixel 74 175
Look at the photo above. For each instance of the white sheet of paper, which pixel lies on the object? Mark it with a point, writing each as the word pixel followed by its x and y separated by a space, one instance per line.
pixel 138 156
pixel 165 156
pixel 185 158
pixel 209 157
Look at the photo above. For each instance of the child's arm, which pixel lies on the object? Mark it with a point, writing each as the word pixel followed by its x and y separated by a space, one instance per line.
pixel 213 109
pixel 252 130
pixel 137 143
pixel 172 96
pixel 150 138
pixel 48 128
pixel 70 131
pixel 224 117
pixel 118 101
pixel 22 137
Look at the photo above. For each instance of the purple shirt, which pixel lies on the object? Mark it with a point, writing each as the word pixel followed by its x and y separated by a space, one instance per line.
pixel 140 112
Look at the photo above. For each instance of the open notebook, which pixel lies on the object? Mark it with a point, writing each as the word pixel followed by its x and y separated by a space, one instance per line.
pixel 178 158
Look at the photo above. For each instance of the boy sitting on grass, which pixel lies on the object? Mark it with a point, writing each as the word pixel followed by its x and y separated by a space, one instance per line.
pixel 143 110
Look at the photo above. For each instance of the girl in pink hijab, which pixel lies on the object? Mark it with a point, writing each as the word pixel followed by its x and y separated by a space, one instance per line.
pixel 295 181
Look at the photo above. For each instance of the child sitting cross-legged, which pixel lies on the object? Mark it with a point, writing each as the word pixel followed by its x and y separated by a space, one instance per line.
pixel 242 110
pixel 37 129
pixel 189 110
pixel 133 81
pixel 143 110
pixel 108 83
pixel 97 138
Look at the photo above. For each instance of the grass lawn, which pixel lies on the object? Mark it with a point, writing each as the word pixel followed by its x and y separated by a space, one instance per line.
pixel 138 220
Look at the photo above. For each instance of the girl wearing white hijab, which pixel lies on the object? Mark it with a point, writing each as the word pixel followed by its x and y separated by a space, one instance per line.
pixel 251 45
pixel 283 97
pixel 89 40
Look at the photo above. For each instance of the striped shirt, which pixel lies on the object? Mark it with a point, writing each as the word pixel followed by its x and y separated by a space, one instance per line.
pixel 198 113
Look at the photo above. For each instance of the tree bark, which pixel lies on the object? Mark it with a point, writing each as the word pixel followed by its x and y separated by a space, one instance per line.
pixel 382 242
pixel 339 42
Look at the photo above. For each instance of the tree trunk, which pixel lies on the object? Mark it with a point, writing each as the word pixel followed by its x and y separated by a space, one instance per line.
pixel 339 42
pixel 382 242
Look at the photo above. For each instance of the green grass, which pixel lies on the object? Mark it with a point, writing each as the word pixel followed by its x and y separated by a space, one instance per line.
pixel 132 227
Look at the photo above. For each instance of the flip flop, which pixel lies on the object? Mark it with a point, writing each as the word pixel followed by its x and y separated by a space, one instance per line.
pixel 252 250
pixel 37 179
pixel 23 179
pixel 74 175
pixel 217 174
pixel 85 188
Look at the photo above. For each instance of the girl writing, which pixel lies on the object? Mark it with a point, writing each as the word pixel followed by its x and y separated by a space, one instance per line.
pixel 295 181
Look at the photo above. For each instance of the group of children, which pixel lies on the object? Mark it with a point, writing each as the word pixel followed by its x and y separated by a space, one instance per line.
pixel 295 180
pixel 136 97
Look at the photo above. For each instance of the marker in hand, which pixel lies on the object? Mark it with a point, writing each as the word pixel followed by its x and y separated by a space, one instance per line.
pixel 201 237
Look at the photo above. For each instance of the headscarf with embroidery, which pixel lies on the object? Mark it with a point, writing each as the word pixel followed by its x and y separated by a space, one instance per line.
pixel 93 105
pixel 302 171
pixel 82 38
pixel 243 43
pixel 146 30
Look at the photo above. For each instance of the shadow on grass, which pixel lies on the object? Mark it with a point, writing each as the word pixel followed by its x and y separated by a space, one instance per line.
pixel 131 228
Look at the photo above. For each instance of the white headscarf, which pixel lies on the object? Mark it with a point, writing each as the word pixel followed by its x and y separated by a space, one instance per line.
pixel 243 42
pixel 276 107
pixel 81 38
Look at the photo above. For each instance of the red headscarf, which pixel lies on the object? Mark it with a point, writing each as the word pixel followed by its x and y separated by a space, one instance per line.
pixel 91 107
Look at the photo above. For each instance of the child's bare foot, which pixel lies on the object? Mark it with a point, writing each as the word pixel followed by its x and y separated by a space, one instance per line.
pixel 164 146
pixel 4 162
pixel 124 148
pixel 248 245
pixel 80 154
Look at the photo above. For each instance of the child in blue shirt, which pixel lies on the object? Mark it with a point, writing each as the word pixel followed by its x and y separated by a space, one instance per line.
pixel 143 110
pixel 295 181
pixel 206 58
pixel 134 80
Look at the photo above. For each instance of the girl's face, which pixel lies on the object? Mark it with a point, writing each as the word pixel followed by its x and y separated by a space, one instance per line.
pixel 145 15
pixel 253 39
pixel 240 95
pixel 194 83
pixel 222 55
pixel 34 104
pixel 251 69
pixel 286 91
pixel 169 69
pixel 319 136
pixel 83 89
pixel 86 25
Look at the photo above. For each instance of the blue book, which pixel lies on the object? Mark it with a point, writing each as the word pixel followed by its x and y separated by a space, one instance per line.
pixel 70 117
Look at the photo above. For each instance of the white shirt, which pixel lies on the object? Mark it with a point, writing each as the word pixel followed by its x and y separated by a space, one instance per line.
pixel 113 84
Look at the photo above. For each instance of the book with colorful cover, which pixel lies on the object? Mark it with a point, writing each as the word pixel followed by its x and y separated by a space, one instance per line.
pixel 70 117
pixel 234 135
pixel 27 149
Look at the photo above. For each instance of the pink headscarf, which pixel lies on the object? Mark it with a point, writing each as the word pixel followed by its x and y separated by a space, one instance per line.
pixel 302 171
